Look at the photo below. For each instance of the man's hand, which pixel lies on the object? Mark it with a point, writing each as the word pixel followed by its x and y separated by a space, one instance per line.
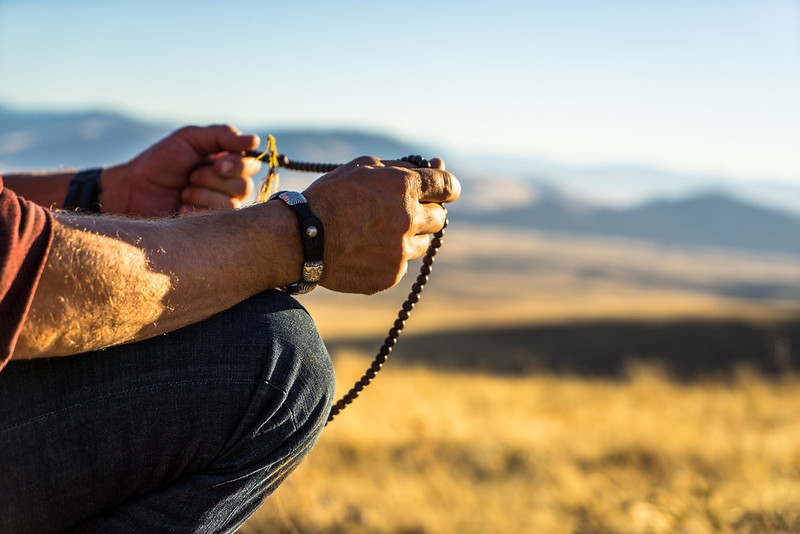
pixel 193 169
pixel 378 215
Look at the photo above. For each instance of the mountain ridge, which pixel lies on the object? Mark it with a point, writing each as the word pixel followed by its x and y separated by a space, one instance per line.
pixel 714 217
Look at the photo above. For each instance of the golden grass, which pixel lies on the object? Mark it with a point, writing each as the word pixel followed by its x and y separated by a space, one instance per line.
pixel 485 277
pixel 433 452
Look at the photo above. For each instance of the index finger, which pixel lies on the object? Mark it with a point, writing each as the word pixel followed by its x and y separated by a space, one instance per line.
pixel 438 185
pixel 218 138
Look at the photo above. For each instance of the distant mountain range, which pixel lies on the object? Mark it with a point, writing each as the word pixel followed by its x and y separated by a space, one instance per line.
pixel 51 140
pixel 708 220
pixel 626 185
pixel 48 140
pixel 524 195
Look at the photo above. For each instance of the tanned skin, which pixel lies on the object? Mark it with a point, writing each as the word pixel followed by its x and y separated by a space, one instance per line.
pixel 139 271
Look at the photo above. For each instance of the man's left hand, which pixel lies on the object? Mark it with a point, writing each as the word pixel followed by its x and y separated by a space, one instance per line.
pixel 193 169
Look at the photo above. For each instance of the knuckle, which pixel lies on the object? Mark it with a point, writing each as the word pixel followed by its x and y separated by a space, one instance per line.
pixel 405 223
pixel 248 188
pixel 400 182
pixel 221 126
pixel 392 268
pixel 387 281
pixel 365 161
pixel 253 166
pixel 189 195
pixel 199 177
pixel 400 225
pixel 186 131
pixel 453 186
pixel 447 182
pixel 222 202
pixel 240 187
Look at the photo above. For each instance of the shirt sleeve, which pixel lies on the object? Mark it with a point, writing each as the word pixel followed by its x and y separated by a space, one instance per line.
pixel 26 231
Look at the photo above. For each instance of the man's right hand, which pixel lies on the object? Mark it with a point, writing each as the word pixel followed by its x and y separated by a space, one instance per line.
pixel 378 215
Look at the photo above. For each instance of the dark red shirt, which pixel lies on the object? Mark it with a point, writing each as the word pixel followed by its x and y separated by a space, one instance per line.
pixel 26 231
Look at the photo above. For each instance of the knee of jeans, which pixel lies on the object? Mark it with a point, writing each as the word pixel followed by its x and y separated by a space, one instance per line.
pixel 317 374
pixel 311 380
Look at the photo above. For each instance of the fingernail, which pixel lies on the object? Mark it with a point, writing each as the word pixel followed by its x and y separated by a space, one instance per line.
pixel 225 166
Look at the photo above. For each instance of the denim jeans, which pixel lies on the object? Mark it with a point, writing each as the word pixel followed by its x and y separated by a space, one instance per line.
pixel 186 432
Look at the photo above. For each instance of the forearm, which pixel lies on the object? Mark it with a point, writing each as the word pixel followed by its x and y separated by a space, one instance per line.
pixel 110 281
pixel 45 189
pixel 50 189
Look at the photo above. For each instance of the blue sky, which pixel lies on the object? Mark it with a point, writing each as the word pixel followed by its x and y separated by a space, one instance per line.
pixel 701 86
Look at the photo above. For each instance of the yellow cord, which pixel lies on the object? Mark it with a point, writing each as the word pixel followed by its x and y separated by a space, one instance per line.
pixel 270 184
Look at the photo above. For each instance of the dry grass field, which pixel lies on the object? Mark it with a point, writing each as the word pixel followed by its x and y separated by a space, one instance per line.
pixel 489 277
pixel 433 452
pixel 447 451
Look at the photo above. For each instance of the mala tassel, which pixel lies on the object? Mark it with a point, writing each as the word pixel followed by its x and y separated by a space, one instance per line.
pixel 270 184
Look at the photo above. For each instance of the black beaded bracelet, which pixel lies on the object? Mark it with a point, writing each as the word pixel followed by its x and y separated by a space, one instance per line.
pixel 312 236
pixel 84 192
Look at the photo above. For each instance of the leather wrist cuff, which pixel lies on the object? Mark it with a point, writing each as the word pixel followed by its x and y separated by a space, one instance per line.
pixel 84 190
pixel 312 236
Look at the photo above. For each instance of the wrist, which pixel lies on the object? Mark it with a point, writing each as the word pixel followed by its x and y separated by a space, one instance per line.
pixel 83 192
pixel 115 190
pixel 312 239
pixel 282 248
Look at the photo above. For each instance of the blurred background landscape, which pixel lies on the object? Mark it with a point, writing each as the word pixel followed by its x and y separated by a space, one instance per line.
pixel 663 337
pixel 527 246
pixel 610 339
